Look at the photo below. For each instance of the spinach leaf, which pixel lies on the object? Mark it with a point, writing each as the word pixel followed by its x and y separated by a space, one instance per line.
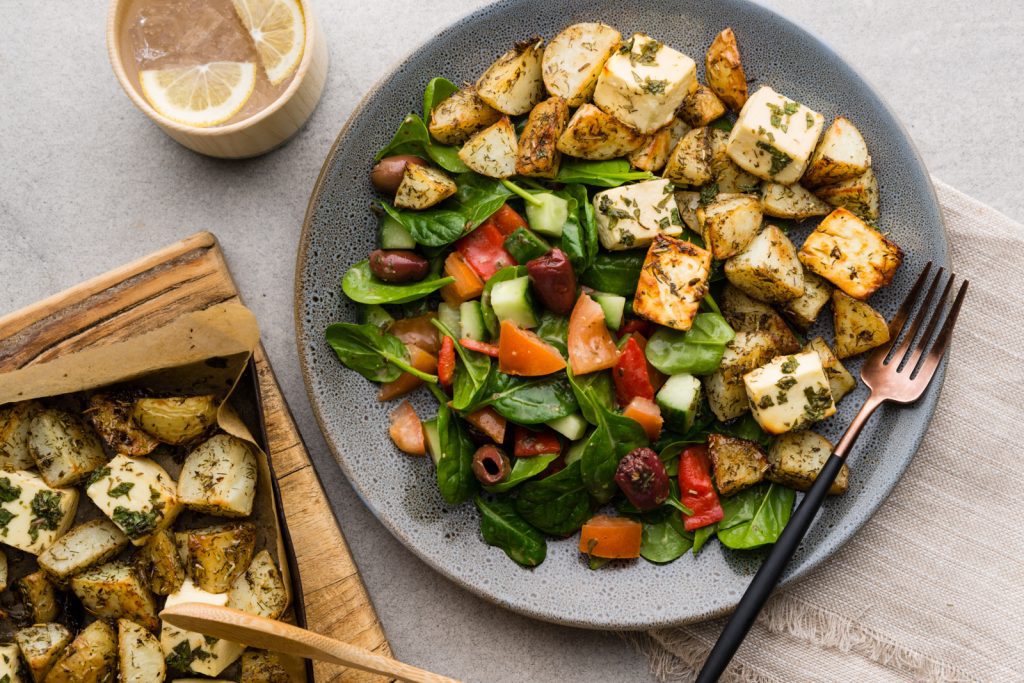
pixel 361 286
pixel 554 329
pixel 437 90
pixel 472 374
pixel 455 477
pixel 702 535
pixel 665 541
pixel 745 427
pixel 530 401
pixel 502 527
pixel 473 203
pixel 412 137
pixel 579 235
pixel 593 391
pixel 600 173
pixel 615 272
pixel 557 505
pixel 525 468
pixel 374 354
pixel 755 516
pixel 490 319
pixel 697 351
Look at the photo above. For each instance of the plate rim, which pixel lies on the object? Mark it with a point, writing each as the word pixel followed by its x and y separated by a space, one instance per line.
pixel 928 403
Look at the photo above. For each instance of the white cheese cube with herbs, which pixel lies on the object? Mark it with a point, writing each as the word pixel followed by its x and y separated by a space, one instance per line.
pixel 774 137
pixel 136 494
pixel 191 651
pixel 644 82
pixel 790 392
pixel 33 515
pixel 629 216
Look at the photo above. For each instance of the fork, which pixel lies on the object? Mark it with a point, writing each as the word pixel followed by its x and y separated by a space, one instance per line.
pixel 897 373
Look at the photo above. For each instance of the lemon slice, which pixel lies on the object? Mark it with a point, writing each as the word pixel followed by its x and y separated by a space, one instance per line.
pixel 203 95
pixel 279 32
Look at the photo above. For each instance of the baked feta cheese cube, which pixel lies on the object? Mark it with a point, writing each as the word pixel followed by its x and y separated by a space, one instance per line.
pixel 33 515
pixel 644 83
pixel 219 477
pixel 573 60
pixel 726 394
pixel 136 494
pixel 790 392
pixel 629 216
pixel 11 668
pixel 191 651
pixel 673 281
pixel 851 254
pixel 768 269
pixel 774 137
pixel 116 590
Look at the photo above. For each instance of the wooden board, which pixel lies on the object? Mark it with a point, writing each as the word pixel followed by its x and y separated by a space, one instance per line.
pixel 189 276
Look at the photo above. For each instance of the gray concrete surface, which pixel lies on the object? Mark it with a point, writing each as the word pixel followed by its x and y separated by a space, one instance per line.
pixel 87 183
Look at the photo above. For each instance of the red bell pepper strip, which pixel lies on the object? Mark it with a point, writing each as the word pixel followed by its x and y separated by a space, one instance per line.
pixel 446 362
pixel 630 374
pixel 530 443
pixel 696 490
pixel 479 346
pixel 484 250
pixel 507 220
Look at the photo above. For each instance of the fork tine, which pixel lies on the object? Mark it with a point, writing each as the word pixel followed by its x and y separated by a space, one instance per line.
pixel 879 355
pixel 941 344
pixel 908 339
pixel 940 308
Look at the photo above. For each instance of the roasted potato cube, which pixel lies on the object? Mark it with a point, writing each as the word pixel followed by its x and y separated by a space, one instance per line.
pixel 538 153
pixel 768 268
pixel 40 596
pixel 673 280
pixel 423 186
pixel 729 223
pixel 797 457
pixel 176 420
pixel 731 179
pixel 492 151
pixel 653 154
pixel 513 84
pixel 737 463
pixel 3 571
pixel 841 155
pixel 725 391
pixel 725 70
pixel 15 421
pixel 744 313
pixel 859 195
pixel 219 477
pixel 701 106
pixel 851 254
pixel 774 137
pixel 859 327
pixel 804 310
pixel 792 202
pixel 111 417
pixel 115 590
pixel 12 669
pixel 840 381
pixel 574 58
pixel 263 666
pixel 789 393
pixel 139 655
pixel 41 646
pixel 630 216
pixel 696 159
pixel 137 495
pixel 190 651
pixel 63 447
pixel 688 202
pixel 93 542
pixel 218 555
pixel 90 658
pixel 162 564
pixel 260 590
pixel 593 134
pixel 32 514
pixel 458 117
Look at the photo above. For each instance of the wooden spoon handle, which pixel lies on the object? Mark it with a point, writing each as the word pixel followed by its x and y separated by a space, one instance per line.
pixel 267 634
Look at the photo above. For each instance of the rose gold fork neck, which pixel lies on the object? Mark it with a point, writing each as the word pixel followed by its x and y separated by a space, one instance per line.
pixel 861 419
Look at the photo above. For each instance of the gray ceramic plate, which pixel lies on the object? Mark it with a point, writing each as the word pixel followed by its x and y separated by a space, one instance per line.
pixel 401 491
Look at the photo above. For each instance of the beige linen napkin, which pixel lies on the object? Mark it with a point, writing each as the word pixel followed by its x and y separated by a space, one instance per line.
pixel 932 588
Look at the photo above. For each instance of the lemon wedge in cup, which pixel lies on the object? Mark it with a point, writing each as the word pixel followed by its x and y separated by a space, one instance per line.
pixel 278 30
pixel 202 95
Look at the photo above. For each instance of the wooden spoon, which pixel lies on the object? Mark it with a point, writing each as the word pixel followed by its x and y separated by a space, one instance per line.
pixel 267 634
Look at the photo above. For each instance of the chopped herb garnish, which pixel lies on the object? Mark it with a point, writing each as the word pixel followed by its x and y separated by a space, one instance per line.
pixel 46 513
pixel 5 518
pixel 780 160
pixel 97 474
pixel 8 491
pixel 121 489
pixel 135 524
pixel 708 193
pixel 790 365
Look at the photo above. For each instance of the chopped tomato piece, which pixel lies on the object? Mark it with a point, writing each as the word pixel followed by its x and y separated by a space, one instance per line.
pixel 419 359
pixel 406 430
pixel 480 347
pixel 488 421
pixel 695 489
pixel 446 362
pixel 484 250
pixel 521 352
pixel 418 331
pixel 590 343
pixel 507 220
pixel 630 374
pixel 530 443
pixel 467 285
pixel 647 413
pixel 632 325
pixel 611 537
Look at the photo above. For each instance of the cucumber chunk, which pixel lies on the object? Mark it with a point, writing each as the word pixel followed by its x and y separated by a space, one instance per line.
pixel 393 235
pixel 549 215
pixel 613 306
pixel 511 300
pixel 525 245
pixel 571 427
pixel 575 451
pixel 472 321
pixel 449 316
pixel 679 400
pixel 433 439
